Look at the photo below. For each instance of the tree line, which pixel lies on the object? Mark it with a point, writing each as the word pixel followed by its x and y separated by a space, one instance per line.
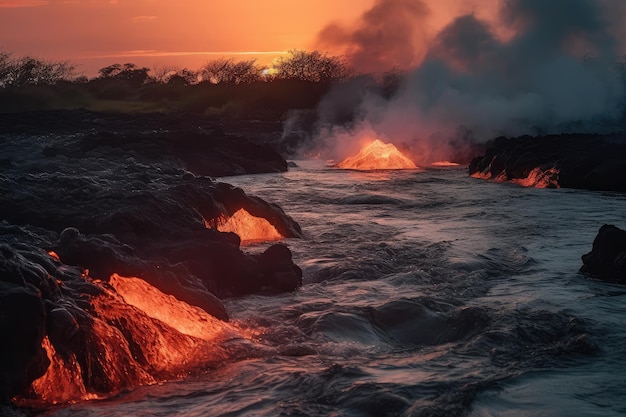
pixel 299 65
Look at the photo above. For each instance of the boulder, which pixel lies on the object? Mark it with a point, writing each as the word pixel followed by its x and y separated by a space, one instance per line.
pixel 278 272
pixel 607 259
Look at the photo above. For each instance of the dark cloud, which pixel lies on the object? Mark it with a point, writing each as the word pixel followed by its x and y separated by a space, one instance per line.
pixel 390 34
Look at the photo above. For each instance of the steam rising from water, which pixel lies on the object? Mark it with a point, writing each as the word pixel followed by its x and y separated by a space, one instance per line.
pixel 507 67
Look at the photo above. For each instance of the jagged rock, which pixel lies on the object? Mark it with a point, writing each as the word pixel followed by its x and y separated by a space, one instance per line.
pixel 278 271
pixel 78 208
pixel 607 259
pixel 22 324
pixel 589 161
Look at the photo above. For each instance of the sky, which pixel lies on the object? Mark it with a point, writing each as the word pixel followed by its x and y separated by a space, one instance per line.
pixel 95 33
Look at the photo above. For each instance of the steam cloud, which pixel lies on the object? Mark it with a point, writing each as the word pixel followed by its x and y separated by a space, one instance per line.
pixel 537 66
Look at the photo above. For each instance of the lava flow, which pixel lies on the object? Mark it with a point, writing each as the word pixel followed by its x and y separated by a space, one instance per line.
pixel 540 178
pixel 444 164
pixel 536 178
pixel 249 228
pixel 377 155
pixel 136 336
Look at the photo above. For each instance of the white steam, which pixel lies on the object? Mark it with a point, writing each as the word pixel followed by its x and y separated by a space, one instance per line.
pixel 539 66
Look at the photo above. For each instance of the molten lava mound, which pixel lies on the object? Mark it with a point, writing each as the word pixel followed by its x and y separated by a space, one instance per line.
pixel 251 229
pixel 377 155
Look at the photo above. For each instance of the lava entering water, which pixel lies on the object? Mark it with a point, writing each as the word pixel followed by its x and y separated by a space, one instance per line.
pixel 377 155
pixel 249 228
pixel 443 164
pixel 537 178
pixel 135 335
pixel 540 178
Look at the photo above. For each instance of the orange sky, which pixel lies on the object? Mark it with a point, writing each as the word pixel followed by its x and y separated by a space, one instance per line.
pixel 95 33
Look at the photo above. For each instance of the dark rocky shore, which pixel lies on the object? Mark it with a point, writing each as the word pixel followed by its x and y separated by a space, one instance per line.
pixel 86 195
pixel 586 161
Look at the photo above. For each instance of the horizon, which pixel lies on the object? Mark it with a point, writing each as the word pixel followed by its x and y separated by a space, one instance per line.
pixel 92 34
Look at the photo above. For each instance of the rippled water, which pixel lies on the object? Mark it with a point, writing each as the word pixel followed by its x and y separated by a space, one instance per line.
pixel 427 293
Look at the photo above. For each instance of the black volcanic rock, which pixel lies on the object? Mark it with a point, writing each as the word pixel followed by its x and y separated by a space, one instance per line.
pixel 22 323
pixel 193 142
pixel 113 204
pixel 80 205
pixel 202 152
pixel 589 161
pixel 607 259
pixel 278 272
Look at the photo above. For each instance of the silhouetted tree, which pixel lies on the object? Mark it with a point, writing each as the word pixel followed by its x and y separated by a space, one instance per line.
pixel 128 72
pixel 162 74
pixel 311 66
pixel 5 66
pixel 190 77
pixel 17 72
pixel 229 71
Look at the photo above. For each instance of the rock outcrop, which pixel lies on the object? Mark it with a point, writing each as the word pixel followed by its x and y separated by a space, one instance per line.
pixel 81 205
pixel 607 259
pixel 587 161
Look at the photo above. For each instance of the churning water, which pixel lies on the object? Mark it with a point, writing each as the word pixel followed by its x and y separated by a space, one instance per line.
pixel 427 293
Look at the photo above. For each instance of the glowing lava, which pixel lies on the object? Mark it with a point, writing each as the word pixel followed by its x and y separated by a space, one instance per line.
pixel 184 318
pixel 249 228
pixel 537 178
pixel 63 380
pixel 444 164
pixel 377 155
pixel 136 335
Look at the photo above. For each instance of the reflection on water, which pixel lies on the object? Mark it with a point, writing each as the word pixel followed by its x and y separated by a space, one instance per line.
pixel 426 293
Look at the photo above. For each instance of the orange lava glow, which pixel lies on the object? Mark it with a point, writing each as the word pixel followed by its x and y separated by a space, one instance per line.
pixel 184 318
pixel 249 228
pixel 54 255
pixel 479 175
pixel 63 381
pixel 137 336
pixel 539 178
pixel 377 155
pixel 444 164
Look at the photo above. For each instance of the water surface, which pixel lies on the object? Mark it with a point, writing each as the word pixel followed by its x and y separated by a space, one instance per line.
pixel 426 293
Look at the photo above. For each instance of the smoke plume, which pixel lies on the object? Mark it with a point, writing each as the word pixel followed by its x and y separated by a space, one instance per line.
pixel 390 34
pixel 534 66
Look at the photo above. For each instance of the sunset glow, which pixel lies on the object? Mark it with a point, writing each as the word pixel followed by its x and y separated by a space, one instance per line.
pixel 157 32
pixel 377 155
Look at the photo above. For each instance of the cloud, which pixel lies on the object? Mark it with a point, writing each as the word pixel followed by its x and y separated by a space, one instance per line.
pixel 141 19
pixel 22 3
pixel 159 53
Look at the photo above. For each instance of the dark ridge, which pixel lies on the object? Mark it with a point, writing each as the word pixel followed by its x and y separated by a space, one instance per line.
pixel 199 144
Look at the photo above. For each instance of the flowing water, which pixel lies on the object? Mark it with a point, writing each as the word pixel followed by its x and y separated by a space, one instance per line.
pixel 426 293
